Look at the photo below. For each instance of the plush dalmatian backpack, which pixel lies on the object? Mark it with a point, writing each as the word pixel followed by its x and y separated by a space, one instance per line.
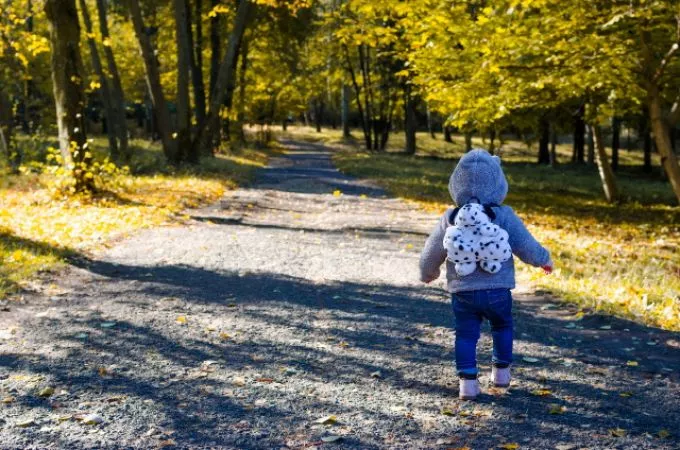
pixel 473 238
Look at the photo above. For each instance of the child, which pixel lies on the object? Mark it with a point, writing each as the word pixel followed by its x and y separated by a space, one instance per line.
pixel 479 178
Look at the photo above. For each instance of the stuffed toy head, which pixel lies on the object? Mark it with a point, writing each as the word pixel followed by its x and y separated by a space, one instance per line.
pixel 470 215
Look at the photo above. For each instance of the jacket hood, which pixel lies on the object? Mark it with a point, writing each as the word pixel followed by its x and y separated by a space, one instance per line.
pixel 478 175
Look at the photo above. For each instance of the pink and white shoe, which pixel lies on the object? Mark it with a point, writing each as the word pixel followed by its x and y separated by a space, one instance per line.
pixel 468 389
pixel 500 376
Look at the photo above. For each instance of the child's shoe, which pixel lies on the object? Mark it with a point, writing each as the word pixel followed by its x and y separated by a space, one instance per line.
pixel 500 376
pixel 469 389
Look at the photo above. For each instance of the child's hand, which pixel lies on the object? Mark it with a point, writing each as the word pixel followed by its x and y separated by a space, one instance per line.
pixel 548 268
pixel 431 278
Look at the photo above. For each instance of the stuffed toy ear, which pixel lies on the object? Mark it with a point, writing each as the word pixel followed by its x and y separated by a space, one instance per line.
pixel 489 212
pixel 454 213
pixel 497 159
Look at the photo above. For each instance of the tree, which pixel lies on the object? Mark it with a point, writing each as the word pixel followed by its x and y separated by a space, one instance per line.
pixel 224 84
pixel 103 82
pixel 67 84
pixel 118 99
pixel 184 59
pixel 153 81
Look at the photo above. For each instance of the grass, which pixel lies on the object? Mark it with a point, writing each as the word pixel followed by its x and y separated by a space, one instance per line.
pixel 619 259
pixel 39 232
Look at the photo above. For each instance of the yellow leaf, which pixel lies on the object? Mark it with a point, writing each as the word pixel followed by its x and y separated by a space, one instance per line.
pixel 663 433
pixel 617 432
pixel 541 392
pixel 337 193
pixel 509 446
pixel 224 336
pixel 182 320
pixel 632 363
pixel 328 420
pixel 626 394
pixel 446 412
pixel 363 196
pixel 556 409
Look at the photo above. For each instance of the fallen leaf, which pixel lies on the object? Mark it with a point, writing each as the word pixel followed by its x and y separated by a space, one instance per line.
pixel 541 392
pixel 331 438
pixel 632 363
pixel 46 392
pixel 565 447
pixel 107 324
pixel 376 374
pixel 663 433
pixel 509 446
pixel 328 420
pixel 363 196
pixel 231 305
pixel 337 193
pixel 239 381
pixel 556 409
pixel 92 419
pixel 24 423
pixel 182 320
pixel 617 432
pixel 529 359
pixel 167 443
pixel 446 412
pixel 81 336
pixel 264 380
pixel 343 344
pixel 626 394
pixel 606 327
pixel 224 336
pixel 7 400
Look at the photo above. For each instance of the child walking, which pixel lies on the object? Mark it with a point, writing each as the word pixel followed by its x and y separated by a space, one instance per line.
pixel 480 291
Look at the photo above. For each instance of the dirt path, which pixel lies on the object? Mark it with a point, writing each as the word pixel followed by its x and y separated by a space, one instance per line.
pixel 287 304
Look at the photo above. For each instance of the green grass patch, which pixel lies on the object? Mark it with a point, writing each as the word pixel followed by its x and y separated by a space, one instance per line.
pixel 620 259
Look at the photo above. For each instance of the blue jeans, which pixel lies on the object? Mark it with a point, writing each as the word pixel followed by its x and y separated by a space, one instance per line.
pixel 470 308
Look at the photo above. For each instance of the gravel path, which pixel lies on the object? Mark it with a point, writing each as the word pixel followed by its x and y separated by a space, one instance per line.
pixel 290 317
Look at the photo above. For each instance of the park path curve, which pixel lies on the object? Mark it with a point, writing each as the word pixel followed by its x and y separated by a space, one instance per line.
pixel 289 315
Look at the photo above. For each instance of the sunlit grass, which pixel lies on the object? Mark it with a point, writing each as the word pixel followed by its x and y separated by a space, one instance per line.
pixel 621 259
pixel 38 232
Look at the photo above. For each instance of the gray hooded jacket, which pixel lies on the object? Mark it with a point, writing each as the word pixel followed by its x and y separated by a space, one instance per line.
pixel 479 176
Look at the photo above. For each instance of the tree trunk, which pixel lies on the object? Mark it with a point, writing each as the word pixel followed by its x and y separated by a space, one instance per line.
pixel 430 125
pixel 214 47
pixel 357 91
pixel 553 146
pixel 661 135
pixel 544 142
pixel 591 145
pixel 183 65
pixel 606 173
pixel 447 134
pixel 345 110
pixel 242 72
pixel 104 90
pixel 579 132
pixel 6 132
pixel 67 85
pixel 118 100
pixel 153 81
pixel 616 142
pixel 410 123
pixel 468 141
pixel 318 114
pixel 225 79
pixel 196 60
